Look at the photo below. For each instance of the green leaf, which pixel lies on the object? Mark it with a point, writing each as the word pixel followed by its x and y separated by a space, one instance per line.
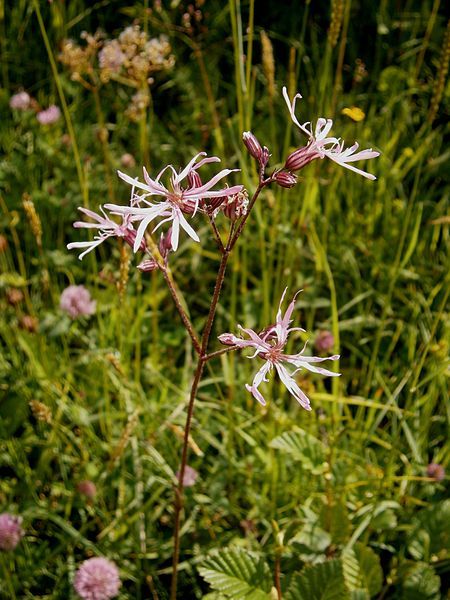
pixel 362 571
pixel 238 573
pixel 370 569
pixel 323 581
pixel 303 447
pixel 431 533
pixel 419 582
pixel 311 539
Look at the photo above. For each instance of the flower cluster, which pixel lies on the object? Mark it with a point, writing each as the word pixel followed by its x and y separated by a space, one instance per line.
pixel 80 59
pixel 269 345
pixel 186 194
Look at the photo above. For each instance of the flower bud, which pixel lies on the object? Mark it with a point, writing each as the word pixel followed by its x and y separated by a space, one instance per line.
pixel 299 158
pixel 165 243
pixel 285 179
pixel 148 265
pixel 252 145
pixel 194 179
pixel 227 339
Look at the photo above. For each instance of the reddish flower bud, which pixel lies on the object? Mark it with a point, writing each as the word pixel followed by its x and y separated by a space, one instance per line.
pixel 148 265
pixel 300 157
pixel 194 179
pixel 252 145
pixel 265 155
pixel 165 243
pixel 227 339
pixel 285 179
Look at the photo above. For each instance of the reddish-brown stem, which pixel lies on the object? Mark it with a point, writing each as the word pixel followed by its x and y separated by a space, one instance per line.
pixel 216 234
pixel 277 576
pixel 186 321
pixel 219 353
pixel 202 359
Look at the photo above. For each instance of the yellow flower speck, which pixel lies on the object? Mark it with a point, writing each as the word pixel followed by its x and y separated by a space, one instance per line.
pixel 355 113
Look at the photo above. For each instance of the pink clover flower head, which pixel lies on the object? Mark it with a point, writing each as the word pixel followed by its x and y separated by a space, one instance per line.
pixel 76 301
pixel 106 228
pixel 87 488
pixel 436 471
pixel 269 345
pixel 189 477
pixel 49 116
pixel 20 101
pixel 324 341
pixel 321 145
pixel 11 531
pixel 176 201
pixel 97 579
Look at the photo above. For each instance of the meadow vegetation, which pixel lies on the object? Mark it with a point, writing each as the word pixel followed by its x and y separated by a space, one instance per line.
pixel 347 501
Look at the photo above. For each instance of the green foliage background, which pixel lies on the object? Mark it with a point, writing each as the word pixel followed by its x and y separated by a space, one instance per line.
pixel 339 495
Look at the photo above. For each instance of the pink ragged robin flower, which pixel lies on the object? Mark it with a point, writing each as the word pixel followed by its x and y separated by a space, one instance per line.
pixel 106 228
pixel 269 345
pixel 181 199
pixel 321 146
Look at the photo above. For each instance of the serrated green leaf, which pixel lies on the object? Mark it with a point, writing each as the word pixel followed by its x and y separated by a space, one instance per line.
pixel 303 447
pixel 370 569
pixel 323 581
pixel 419 582
pixel 431 531
pixel 351 570
pixel 238 574
pixel 335 519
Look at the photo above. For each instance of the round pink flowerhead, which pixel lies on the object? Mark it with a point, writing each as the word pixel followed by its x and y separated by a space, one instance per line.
pixel 97 579
pixel 87 488
pixel 324 341
pixel 20 101
pixel 76 301
pixel 189 477
pixel 10 531
pixel 436 471
pixel 49 116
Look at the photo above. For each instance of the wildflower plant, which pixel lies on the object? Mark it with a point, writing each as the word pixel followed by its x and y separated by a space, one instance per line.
pixel 171 204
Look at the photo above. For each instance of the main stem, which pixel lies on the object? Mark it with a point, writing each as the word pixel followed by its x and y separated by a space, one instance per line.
pixel 202 359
